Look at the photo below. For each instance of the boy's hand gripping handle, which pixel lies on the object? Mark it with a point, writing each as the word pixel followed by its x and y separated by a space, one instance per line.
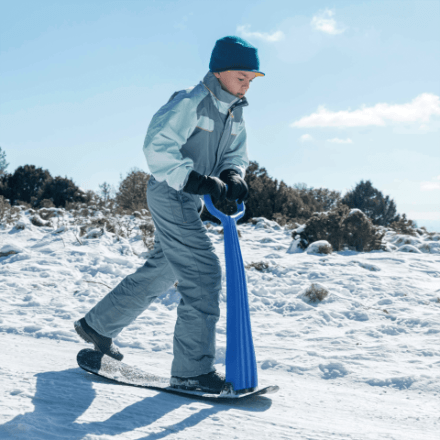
pixel 220 215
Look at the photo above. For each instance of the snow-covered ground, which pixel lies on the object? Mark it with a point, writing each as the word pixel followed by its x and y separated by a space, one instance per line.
pixel 364 363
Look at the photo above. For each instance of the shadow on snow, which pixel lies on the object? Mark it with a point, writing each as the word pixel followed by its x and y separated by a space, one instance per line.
pixel 61 397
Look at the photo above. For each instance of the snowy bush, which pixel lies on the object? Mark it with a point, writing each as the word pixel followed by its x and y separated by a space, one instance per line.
pixel 10 249
pixel 320 247
pixel 147 230
pixel 47 213
pixel 360 234
pixel 264 223
pixel 95 233
pixel 316 292
pixel 415 244
pixel 47 203
pixel 4 208
pixel 401 240
pixel 430 247
pixel 8 214
pixel 390 247
pixel 5 254
pixel 36 220
pixel 261 266
pixel 409 248
pixel 404 226
pixel 342 228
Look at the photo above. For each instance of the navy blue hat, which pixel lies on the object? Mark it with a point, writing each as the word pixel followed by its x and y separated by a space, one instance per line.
pixel 234 53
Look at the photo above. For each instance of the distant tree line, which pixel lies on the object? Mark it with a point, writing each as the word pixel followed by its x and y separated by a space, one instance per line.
pixel 37 188
pixel 269 198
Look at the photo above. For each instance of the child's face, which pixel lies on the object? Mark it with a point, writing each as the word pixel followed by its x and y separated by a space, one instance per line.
pixel 236 82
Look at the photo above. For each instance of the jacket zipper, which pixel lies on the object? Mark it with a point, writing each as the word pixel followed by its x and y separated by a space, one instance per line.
pixel 231 109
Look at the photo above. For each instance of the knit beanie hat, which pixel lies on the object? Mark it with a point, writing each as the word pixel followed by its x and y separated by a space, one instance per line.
pixel 234 53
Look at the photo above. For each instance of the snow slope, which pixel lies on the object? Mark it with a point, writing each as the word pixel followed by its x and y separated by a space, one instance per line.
pixel 364 363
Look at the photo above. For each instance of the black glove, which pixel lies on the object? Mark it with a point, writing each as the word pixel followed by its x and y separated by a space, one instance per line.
pixel 199 184
pixel 237 187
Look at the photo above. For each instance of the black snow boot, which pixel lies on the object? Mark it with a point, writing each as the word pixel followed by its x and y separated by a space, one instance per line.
pixel 102 343
pixel 212 382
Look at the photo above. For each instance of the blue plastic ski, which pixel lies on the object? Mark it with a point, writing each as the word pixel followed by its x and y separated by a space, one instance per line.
pixel 98 363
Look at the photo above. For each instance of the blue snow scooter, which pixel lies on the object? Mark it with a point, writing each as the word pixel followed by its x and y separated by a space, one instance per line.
pixel 241 365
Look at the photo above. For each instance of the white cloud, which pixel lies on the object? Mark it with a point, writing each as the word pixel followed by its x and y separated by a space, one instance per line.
pixel 271 38
pixel 324 22
pixel 430 186
pixel 306 138
pixel 340 141
pixel 420 109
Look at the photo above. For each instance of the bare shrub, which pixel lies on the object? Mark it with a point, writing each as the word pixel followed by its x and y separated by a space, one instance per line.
pixel 25 205
pixel 123 227
pixel 102 223
pixel 73 206
pixel 132 192
pixel 292 225
pixel 5 207
pixel 6 254
pixel 316 293
pixel 36 220
pixel 46 214
pixel 8 214
pixel 360 234
pixel 325 249
pixel 20 226
pixel 95 233
pixel 47 203
pixel 147 230
pixel 261 266
pixel 404 226
pixel 222 232
pixel 342 228
pixel 281 219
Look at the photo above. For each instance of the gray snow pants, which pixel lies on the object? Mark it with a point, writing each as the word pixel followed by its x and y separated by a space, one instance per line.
pixel 183 252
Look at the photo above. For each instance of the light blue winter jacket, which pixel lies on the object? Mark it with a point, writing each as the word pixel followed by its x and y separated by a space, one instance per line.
pixel 200 129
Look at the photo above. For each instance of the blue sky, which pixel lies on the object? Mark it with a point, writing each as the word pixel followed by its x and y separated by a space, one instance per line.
pixel 351 89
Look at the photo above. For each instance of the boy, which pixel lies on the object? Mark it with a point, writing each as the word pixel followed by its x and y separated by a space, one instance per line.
pixel 195 144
